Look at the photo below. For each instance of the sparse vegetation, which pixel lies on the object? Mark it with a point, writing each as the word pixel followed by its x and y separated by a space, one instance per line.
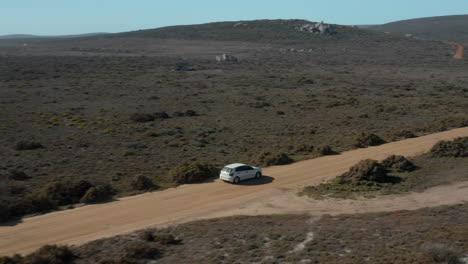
pixel 440 253
pixel 395 174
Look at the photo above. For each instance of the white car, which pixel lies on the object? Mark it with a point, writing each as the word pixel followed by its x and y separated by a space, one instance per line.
pixel 238 172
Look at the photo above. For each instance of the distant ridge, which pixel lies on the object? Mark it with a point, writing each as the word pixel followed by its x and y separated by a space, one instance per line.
pixel 26 36
pixel 271 31
pixel 447 28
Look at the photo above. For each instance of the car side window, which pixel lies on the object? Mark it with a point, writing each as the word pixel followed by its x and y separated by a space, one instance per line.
pixel 243 168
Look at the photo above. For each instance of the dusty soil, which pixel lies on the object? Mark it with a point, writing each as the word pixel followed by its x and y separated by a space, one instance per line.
pixel 274 193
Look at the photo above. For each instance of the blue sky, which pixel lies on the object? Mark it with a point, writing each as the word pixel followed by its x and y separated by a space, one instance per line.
pixel 55 17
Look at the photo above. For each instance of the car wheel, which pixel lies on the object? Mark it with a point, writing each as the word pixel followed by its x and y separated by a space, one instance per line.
pixel 236 180
pixel 258 175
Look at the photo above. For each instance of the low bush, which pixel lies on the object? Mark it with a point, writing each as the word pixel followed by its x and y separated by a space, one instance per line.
pixel 147 235
pixel 193 173
pixel 398 135
pixel 456 148
pixel 165 239
pixel 28 145
pixel 139 250
pixel 161 115
pixel 142 118
pixel 97 194
pixel 5 212
pixel 325 150
pixel 368 139
pixel 51 255
pixel 304 148
pixel 17 175
pixel 365 171
pixel 142 183
pixel 190 113
pixel 67 193
pixel 269 159
pixel 451 122
pixel 16 259
pixel 398 164
pixel 440 253
pixel 34 203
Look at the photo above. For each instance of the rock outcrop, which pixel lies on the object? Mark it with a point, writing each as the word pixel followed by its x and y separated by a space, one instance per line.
pixel 319 28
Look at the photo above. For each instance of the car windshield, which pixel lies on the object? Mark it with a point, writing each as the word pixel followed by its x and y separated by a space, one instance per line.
pixel 226 169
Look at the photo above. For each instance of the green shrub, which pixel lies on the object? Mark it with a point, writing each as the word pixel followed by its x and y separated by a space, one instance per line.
pixel 28 145
pixel 38 202
pixel 97 194
pixel 398 164
pixel 51 255
pixel 325 150
pixel 192 173
pixel 142 183
pixel 67 193
pixel 456 148
pixel 368 139
pixel 269 159
pixel 365 171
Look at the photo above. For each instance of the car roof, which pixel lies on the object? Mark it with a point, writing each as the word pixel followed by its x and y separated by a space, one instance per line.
pixel 235 165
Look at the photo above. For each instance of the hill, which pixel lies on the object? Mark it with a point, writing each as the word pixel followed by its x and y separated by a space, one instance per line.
pixel 450 28
pixel 252 31
pixel 27 36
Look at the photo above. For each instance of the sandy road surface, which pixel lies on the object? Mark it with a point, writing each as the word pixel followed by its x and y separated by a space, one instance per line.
pixel 273 194
pixel 460 50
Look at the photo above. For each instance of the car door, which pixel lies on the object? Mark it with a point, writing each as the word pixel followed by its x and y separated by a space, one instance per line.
pixel 250 172
pixel 242 172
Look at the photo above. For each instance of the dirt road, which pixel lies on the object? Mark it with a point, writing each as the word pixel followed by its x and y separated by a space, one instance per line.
pixel 460 50
pixel 273 194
